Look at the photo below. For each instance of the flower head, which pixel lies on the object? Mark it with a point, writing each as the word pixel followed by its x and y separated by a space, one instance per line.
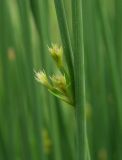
pixel 59 82
pixel 57 53
pixel 42 78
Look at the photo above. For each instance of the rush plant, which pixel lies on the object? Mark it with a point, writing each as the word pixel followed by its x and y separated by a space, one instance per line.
pixel 77 115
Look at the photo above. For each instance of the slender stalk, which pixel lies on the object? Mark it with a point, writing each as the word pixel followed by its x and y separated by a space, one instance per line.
pixel 65 37
pixel 81 147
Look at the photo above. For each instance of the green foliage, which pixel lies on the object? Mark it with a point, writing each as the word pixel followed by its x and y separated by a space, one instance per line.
pixel 35 124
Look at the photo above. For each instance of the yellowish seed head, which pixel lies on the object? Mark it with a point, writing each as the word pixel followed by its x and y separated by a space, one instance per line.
pixel 42 78
pixel 57 53
pixel 59 82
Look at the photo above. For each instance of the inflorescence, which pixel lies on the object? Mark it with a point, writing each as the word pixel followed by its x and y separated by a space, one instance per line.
pixel 58 85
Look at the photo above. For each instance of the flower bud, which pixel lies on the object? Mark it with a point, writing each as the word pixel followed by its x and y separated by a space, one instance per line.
pixel 57 53
pixel 42 78
pixel 59 82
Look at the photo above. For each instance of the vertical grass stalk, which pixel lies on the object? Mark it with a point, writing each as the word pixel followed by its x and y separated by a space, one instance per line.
pixel 65 37
pixel 77 21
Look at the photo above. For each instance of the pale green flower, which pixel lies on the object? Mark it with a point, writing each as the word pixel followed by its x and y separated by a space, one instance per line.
pixel 42 78
pixel 59 82
pixel 57 54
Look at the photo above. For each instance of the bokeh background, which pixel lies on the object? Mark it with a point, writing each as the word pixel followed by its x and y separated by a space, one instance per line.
pixel 34 125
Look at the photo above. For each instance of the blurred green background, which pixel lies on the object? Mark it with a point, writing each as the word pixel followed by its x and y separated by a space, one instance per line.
pixel 34 125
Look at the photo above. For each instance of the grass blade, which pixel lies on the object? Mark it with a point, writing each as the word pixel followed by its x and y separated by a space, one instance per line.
pixel 77 21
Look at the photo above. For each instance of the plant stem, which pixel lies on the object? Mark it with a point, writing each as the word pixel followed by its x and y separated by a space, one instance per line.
pixel 64 30
pixel 81 143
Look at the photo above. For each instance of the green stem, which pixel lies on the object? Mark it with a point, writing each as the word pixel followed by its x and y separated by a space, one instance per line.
pixel 81 146
pixel 64 30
